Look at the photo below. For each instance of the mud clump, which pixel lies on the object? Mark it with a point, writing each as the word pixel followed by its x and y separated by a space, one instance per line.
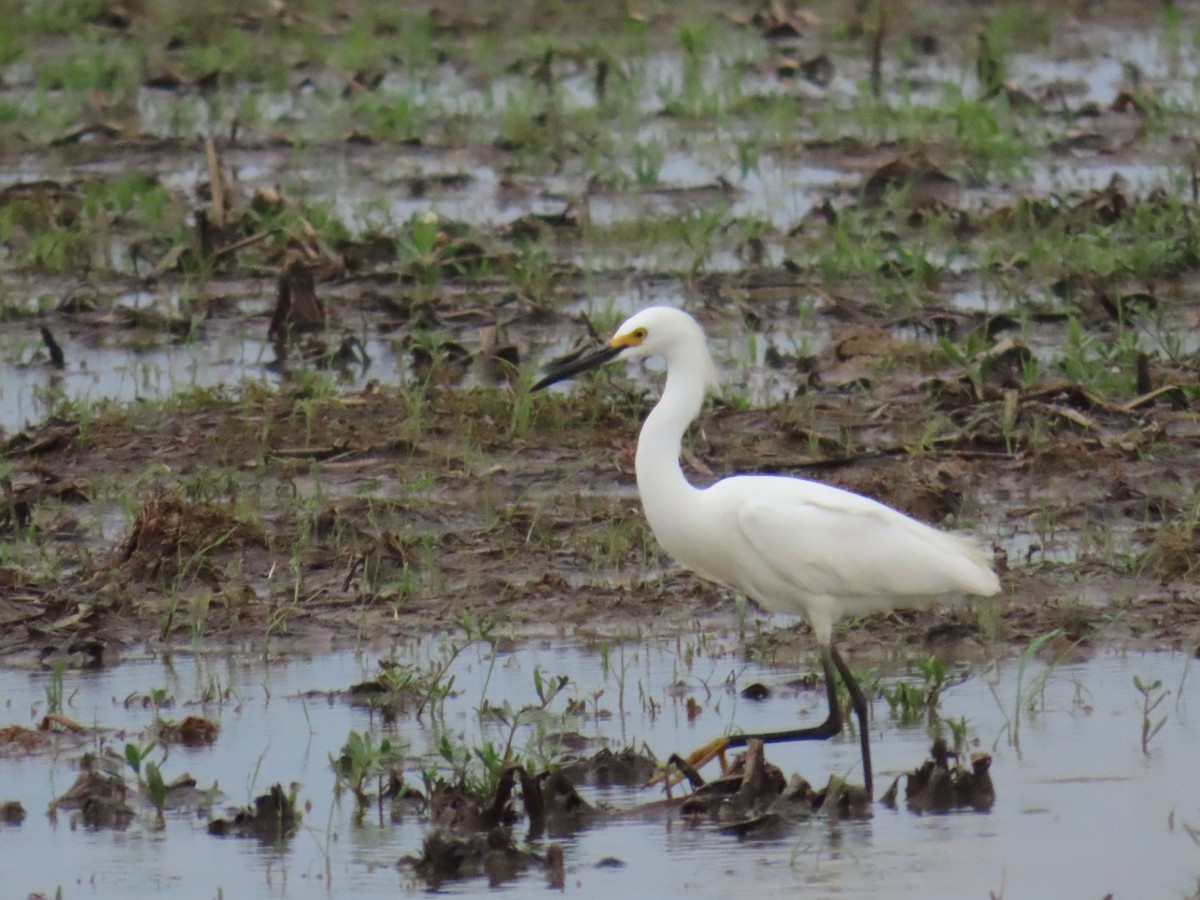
pixel 297 306
pixel 79 654
pixel 934 787
pixel 556 874
pixel 754 797
pixel 11 812
pixel 927 186
pixel 448 857
pixel 556 805
pixel 626 767
pixel 18 741
pixel 473 837
pixel 1174 553
pixel 273 819
pixel 170 532
pixel 99 799
pixel 548 800
pixel 193 731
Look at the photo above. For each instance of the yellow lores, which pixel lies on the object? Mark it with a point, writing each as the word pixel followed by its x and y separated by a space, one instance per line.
pixel 791 545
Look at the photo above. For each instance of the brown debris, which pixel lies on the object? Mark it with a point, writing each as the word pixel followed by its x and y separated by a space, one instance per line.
pixel 1003 364
pixel 930 491
pixel 1126 102
pixel 818 70
pixel 76 653
pixel 41 205
pixel 605 768
pixel 559 806
pixel 936 788
pixel 448 857
pixel 473 836
pixel 18 741
pixel 297 307
pixel 92 132
pixel 556 876
pixel 169 79
pixel 170 532
pixel 100 800
pixel 1174 553
pixel 47 439
pixel 842 800
pixel 927 185
pixel 781 19
pixel 449 360
pixel 500 362
pixel 759 780
pixel 391 696
pixel 367 252
pixel 217 185
pixel 787 67
pixel 1105 206
pixel 15 513
pixel 193 731
pixel 453 809
pixel 549 800
pixel 57 359
pixel 753 797
pixel 756 691
pixel 12 812
pixel 864 341
pixel 60 724
pixel 1172 393
pixel 273 819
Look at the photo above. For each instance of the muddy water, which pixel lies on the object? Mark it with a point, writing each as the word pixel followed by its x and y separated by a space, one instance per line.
pixel 229 354
pixel 1081 811
pixel 235 352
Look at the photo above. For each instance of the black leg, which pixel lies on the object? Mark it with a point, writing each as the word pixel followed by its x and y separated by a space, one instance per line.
pixel 827 729
pixel 859 700
pixel 832 725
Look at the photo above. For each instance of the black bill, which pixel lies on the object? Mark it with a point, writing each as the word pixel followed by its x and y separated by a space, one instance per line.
pixel 573 364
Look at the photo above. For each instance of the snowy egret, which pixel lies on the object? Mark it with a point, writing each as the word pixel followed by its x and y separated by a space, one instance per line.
pixel 791 545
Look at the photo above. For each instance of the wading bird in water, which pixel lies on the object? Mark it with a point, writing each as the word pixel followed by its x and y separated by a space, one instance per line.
pixel 791 545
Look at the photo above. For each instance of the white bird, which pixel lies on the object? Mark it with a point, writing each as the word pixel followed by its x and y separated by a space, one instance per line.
pixel 791 545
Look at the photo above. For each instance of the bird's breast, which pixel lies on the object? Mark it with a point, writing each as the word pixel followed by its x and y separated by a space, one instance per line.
pixel 705 540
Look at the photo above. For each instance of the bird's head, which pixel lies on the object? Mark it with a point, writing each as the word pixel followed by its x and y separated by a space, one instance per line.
pixel 657 331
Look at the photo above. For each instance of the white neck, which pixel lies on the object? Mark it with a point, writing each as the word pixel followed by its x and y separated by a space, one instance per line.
pixel 660 479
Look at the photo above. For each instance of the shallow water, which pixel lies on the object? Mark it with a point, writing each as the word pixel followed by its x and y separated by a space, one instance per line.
pixel 1081 811
pixel 100 367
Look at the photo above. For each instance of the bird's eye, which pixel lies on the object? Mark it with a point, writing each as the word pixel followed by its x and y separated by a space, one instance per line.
pixel 639 333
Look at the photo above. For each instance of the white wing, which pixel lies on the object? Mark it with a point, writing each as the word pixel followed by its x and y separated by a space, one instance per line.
pixel 847 551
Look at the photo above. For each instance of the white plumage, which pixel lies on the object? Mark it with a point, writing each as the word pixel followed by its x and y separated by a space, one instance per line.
pixel 791 545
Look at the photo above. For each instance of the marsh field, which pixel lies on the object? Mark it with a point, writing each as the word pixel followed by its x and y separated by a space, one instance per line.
pixel 304 593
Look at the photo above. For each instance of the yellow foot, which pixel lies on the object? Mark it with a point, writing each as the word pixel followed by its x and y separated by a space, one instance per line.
pixel 679 768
